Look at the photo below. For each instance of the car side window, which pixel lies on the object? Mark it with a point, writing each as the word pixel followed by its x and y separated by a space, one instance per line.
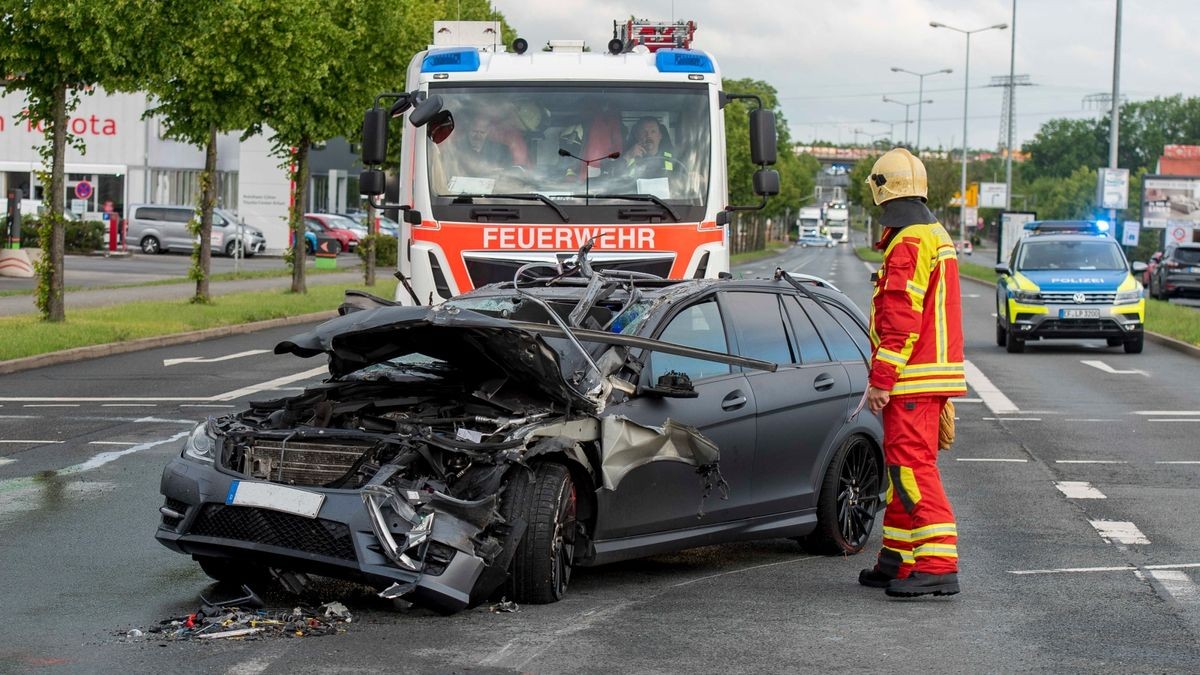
pixel 696 326
pixel 812 349
pixel 757 320
pixel 149 214
pixel 177 215
pixel 859 336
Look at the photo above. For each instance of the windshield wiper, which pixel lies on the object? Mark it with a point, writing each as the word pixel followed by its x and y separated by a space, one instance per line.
pixel 636 198
pixel 524 196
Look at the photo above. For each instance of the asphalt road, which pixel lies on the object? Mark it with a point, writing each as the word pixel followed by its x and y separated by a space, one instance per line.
pixel 1048 583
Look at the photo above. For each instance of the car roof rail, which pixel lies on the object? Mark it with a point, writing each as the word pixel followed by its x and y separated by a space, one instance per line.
pixel 807 278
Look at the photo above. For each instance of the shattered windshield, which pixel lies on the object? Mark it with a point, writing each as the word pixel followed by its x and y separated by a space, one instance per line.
pixel 569 142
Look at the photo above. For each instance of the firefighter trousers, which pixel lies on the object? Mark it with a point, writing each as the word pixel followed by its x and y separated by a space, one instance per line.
pixel 919 534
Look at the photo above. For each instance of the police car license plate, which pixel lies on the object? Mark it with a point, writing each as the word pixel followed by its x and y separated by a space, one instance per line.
pixel 275 497
pixel 1079 314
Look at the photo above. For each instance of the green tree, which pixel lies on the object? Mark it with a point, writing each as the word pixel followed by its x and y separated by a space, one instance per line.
pixel 797 175
pixel 1063 145
pixel 52 51
pixel 209 83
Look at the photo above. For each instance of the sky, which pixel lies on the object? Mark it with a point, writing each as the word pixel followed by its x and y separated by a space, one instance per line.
pixel 831 60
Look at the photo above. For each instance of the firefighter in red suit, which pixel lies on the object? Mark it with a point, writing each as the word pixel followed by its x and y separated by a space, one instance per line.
pixel 916 366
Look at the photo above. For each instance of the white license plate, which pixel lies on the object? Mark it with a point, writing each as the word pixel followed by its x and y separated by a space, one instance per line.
pixel 1079 314
pixel 275 497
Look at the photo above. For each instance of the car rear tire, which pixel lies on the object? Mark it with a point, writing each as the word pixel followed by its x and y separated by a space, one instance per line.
pixel 226 569
pixel 545 499
pixel 849 500
pixel 1135 345
pixel 150 245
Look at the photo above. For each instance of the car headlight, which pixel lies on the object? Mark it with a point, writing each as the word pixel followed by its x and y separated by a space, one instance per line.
pixel 1028 297
pixel 1128 297
pixel 200 446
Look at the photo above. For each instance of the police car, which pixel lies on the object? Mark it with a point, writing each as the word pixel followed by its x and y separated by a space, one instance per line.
pixel 1070 280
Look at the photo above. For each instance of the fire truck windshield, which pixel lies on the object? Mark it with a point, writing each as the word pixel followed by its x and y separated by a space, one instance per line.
pixel 579 145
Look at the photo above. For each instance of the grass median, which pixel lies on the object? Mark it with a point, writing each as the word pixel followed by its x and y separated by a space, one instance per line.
pixel 772 249
pixel 27 335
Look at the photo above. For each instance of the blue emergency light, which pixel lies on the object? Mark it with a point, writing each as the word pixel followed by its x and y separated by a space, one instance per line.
pixel 682 61
pixel 452 60
pixel 1066 227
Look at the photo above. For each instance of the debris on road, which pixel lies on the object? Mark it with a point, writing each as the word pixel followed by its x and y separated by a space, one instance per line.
pixel 211 622
pixel 505 606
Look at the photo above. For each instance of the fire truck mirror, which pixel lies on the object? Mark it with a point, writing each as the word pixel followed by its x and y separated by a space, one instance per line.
pixel 762 137
pixel 371 182
pixel 766 182
pixel 374 137
pixel 426 111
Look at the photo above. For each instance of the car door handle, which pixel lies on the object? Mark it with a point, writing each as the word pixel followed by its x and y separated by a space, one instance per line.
pixel 824 381
pixel 734 400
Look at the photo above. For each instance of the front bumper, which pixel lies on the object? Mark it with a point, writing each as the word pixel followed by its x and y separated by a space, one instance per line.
pixel 340 542
pixel 1054 321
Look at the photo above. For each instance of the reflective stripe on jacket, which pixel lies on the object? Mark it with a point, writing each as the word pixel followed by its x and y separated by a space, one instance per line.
pixel 916 314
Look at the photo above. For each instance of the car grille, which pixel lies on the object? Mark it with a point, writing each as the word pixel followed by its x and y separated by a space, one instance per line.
pixel 485 271
pixel 272 528
pixel 1079 325
pixel 1089 297
pixel 301 463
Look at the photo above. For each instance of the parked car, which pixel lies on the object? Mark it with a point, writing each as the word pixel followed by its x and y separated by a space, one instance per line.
pixel 1177 272
pixel 340 228
pixel 316 238
pixel 1148 273
pixel 806 240
pixel 158 228
pixel 386 225
pixel 490 444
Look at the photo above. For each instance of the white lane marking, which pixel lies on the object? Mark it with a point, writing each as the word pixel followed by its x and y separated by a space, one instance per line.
pixel 201 359
pixel 1089 419
pixel 1187 462
pixel 20 417
pixel 31 441
pixel 1090 461
pixel 992 397
pixel 1172 419
pixel 1167 413
pixel 1178 585
pixel 975 295
pixel 1012 419
pixel 1076 489
pixel 1122 568
pixel 128 405
pixel 956 401
pixel 987 459
pixel 160 420
pixel 50 405
pixel 99 399
pixel 1119 532
pixel 252 666
pixel 868 266
pixel 207 405
pixel 5 460
pixel 112 442
pixel 1100 365
pixel 272 384
pixel 113 455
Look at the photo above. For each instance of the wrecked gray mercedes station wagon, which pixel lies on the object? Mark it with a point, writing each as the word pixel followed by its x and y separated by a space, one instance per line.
pixel 487 445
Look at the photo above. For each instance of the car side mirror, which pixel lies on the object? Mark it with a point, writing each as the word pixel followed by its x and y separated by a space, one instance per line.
pixel 671 385
pixel 425 111
pixel 1002 268
pixel 1139 266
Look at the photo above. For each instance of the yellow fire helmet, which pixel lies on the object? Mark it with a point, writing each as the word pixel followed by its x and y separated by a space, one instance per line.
pixel 897 174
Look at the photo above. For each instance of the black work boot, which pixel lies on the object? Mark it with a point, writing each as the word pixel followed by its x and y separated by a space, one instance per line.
pixel 923 584
pixel 875 578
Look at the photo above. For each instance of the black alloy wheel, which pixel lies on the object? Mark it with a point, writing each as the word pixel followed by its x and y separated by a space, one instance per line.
pixel 546 500
pixel 849 500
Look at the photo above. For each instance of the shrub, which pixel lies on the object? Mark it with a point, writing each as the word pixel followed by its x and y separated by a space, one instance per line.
pixel 80 237
pixel 385 249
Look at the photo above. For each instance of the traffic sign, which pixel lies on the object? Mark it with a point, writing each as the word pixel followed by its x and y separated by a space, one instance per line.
pixel 1179 234
pixel 1129 235
pixel 83 189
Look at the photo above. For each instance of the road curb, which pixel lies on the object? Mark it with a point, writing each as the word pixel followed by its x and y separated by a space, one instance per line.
pixel 1157 338
pixel 93 351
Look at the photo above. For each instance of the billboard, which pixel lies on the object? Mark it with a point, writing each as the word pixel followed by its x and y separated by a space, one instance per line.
pixel 1112 189
pixel 1170 202
pixel 993 195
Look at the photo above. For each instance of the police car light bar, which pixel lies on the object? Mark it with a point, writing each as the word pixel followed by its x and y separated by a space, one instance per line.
pixel 1066 226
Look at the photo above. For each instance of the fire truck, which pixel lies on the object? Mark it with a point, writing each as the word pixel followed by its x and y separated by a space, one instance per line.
pixel 512 156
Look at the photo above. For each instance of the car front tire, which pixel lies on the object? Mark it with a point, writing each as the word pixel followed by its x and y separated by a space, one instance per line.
pixel 1135 345
pixel 545 499
pixel 849 500
pixel 150 245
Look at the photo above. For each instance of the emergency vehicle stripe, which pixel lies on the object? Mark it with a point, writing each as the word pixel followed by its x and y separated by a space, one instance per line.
pixel 929 386
pixel 935 530
pixel 936 550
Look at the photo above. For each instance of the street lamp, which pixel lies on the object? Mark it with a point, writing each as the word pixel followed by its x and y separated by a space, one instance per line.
pixel 868 134
pixel 962 213
pixel 891 126
pixel 921 93
pixel 906 107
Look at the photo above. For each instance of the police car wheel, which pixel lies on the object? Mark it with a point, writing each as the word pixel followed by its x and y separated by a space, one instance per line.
pixel 1015 344
pixel 1001 335
pixel 1135 345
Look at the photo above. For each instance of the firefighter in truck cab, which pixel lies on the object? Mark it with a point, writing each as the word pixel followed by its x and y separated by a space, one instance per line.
pixel 916 367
